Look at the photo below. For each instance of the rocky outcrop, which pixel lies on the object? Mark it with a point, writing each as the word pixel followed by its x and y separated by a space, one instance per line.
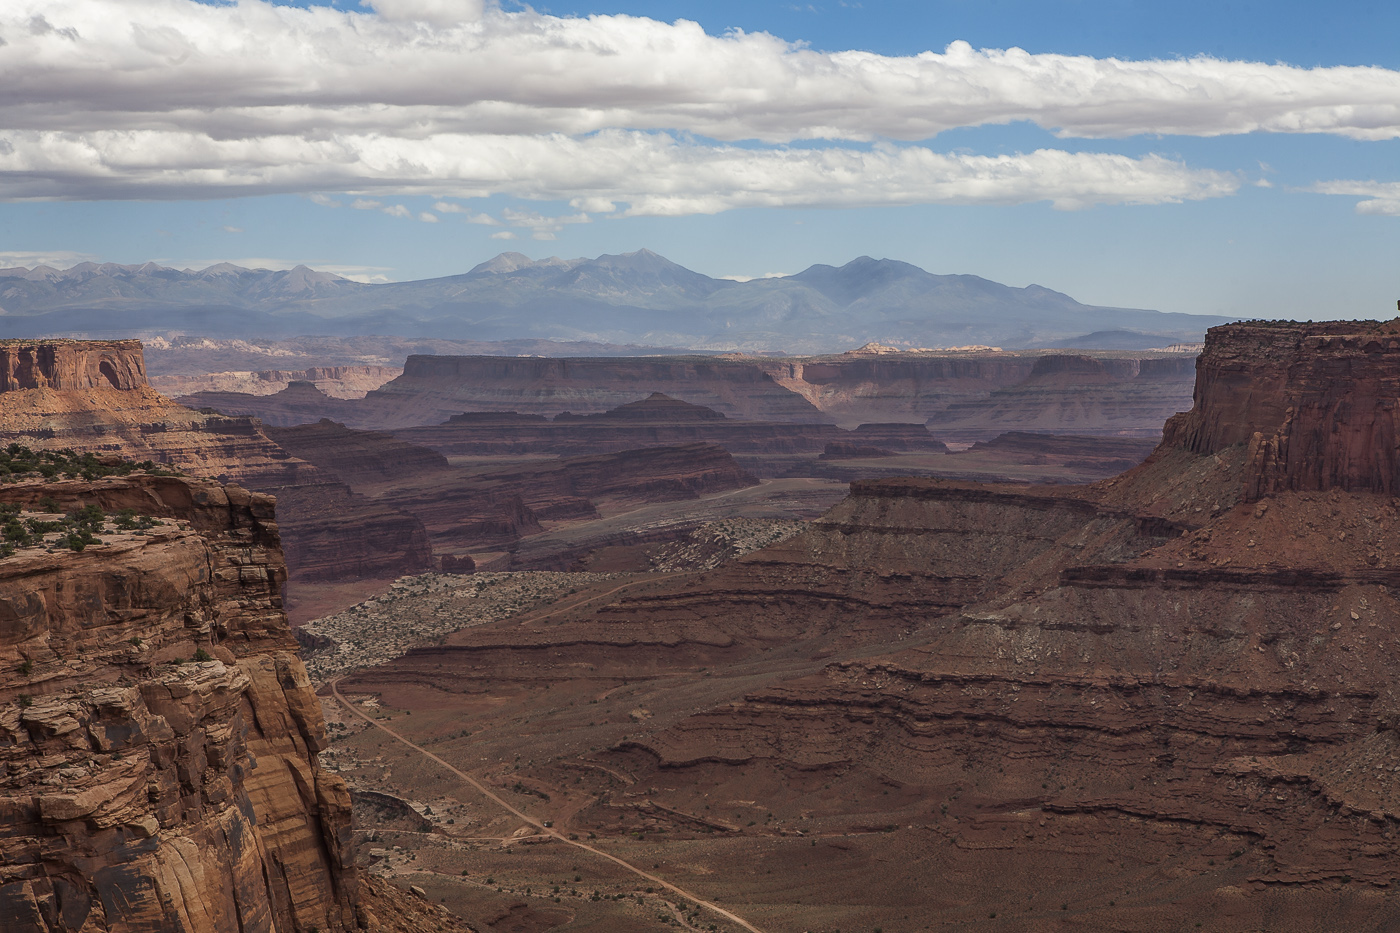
pixel 64 397
pixel 93 396
pixel 296 402
pixel 1317 405
pixel 433 388
pixel 334 381
pixel 1075 394
pixel 141 789
pixel 358 457
pixel 71 364
pixel 908 438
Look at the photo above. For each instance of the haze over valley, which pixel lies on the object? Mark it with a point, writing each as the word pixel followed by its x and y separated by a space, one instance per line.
pixel 955 488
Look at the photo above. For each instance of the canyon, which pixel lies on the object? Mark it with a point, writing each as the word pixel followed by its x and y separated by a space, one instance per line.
pixel 93 396
pixel 681 690
pixel 1152 701
pixel 963 395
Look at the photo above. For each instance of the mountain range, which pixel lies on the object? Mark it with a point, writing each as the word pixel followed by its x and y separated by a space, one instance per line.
pixel 637 298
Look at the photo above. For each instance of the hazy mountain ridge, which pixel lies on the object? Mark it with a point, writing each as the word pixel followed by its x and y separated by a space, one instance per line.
pixel 637 297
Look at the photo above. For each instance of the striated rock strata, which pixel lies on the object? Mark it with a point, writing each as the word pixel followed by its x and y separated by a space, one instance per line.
pixel 93 396
pixel 334 381
pixel 1136 705
pixel 1074 394
pixel 142 792
pixel 655 421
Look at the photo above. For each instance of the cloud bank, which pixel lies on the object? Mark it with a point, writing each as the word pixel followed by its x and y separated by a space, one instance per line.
pixel 173 98
pixel 655 174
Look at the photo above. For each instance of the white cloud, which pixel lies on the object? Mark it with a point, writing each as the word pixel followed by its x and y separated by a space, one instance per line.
pixel 450 99
pixel 398 210
pixel 428 218
pixel 438 12
pixel 503 235
pixel 1382 197
pixel 59 258
pixel 1385 207
pixel 540 226
pixel 655 174
pixel 229 229
pixel 254 69
pixel 447 207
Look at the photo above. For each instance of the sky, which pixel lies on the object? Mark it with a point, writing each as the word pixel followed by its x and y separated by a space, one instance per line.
pixel 1238 158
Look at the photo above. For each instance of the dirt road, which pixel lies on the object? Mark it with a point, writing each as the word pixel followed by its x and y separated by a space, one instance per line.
pixel 480 788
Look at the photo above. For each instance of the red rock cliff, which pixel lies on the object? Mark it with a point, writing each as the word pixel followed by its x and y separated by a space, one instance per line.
pixel 71 364
pixel 141 793
pixel 92 396
pixel 1315 405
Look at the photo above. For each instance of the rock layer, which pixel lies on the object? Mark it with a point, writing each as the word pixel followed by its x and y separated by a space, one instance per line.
pixel 139 791
pixel 1275 387
pixel 87 364
pixel 1177 683
pixel 64 397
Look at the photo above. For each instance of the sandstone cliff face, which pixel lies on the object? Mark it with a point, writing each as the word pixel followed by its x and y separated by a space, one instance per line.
pixel 433 389
pixel 1316 405
pixel 141 793
pixel 1073 394
pixel 88 364
pixel 333 381
pixel 92 396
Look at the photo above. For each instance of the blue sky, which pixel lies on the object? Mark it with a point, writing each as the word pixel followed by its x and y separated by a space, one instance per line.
pixel 420 137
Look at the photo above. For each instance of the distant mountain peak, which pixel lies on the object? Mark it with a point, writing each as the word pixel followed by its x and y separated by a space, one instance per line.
pixel 502 264
pixel 638 297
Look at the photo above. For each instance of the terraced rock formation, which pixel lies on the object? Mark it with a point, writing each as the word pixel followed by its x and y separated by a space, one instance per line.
pixel 158 733
pixel 1076 394
pixel 334 381
pixel 1161 700
pixel 976 394
pixel 657 420
pixel 463 510
pixel 92 396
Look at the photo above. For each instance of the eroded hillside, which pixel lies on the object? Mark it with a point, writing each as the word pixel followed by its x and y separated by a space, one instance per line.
pixel 1162 700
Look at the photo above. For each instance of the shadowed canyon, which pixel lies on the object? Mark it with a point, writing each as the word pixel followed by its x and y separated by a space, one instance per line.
pixel 877 641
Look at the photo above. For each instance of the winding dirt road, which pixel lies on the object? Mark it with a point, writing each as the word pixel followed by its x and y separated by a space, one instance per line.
pixel 480 788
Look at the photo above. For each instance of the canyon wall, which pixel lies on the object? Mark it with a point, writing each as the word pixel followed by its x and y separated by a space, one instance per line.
pixel 433 388
pixel 1075 394
pixel 1315 405
pixel 63 398
pixel 70 364
pixel 334 381
pixel 143 790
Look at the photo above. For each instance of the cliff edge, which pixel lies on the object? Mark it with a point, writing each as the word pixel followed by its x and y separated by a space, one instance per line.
pixel 158 732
